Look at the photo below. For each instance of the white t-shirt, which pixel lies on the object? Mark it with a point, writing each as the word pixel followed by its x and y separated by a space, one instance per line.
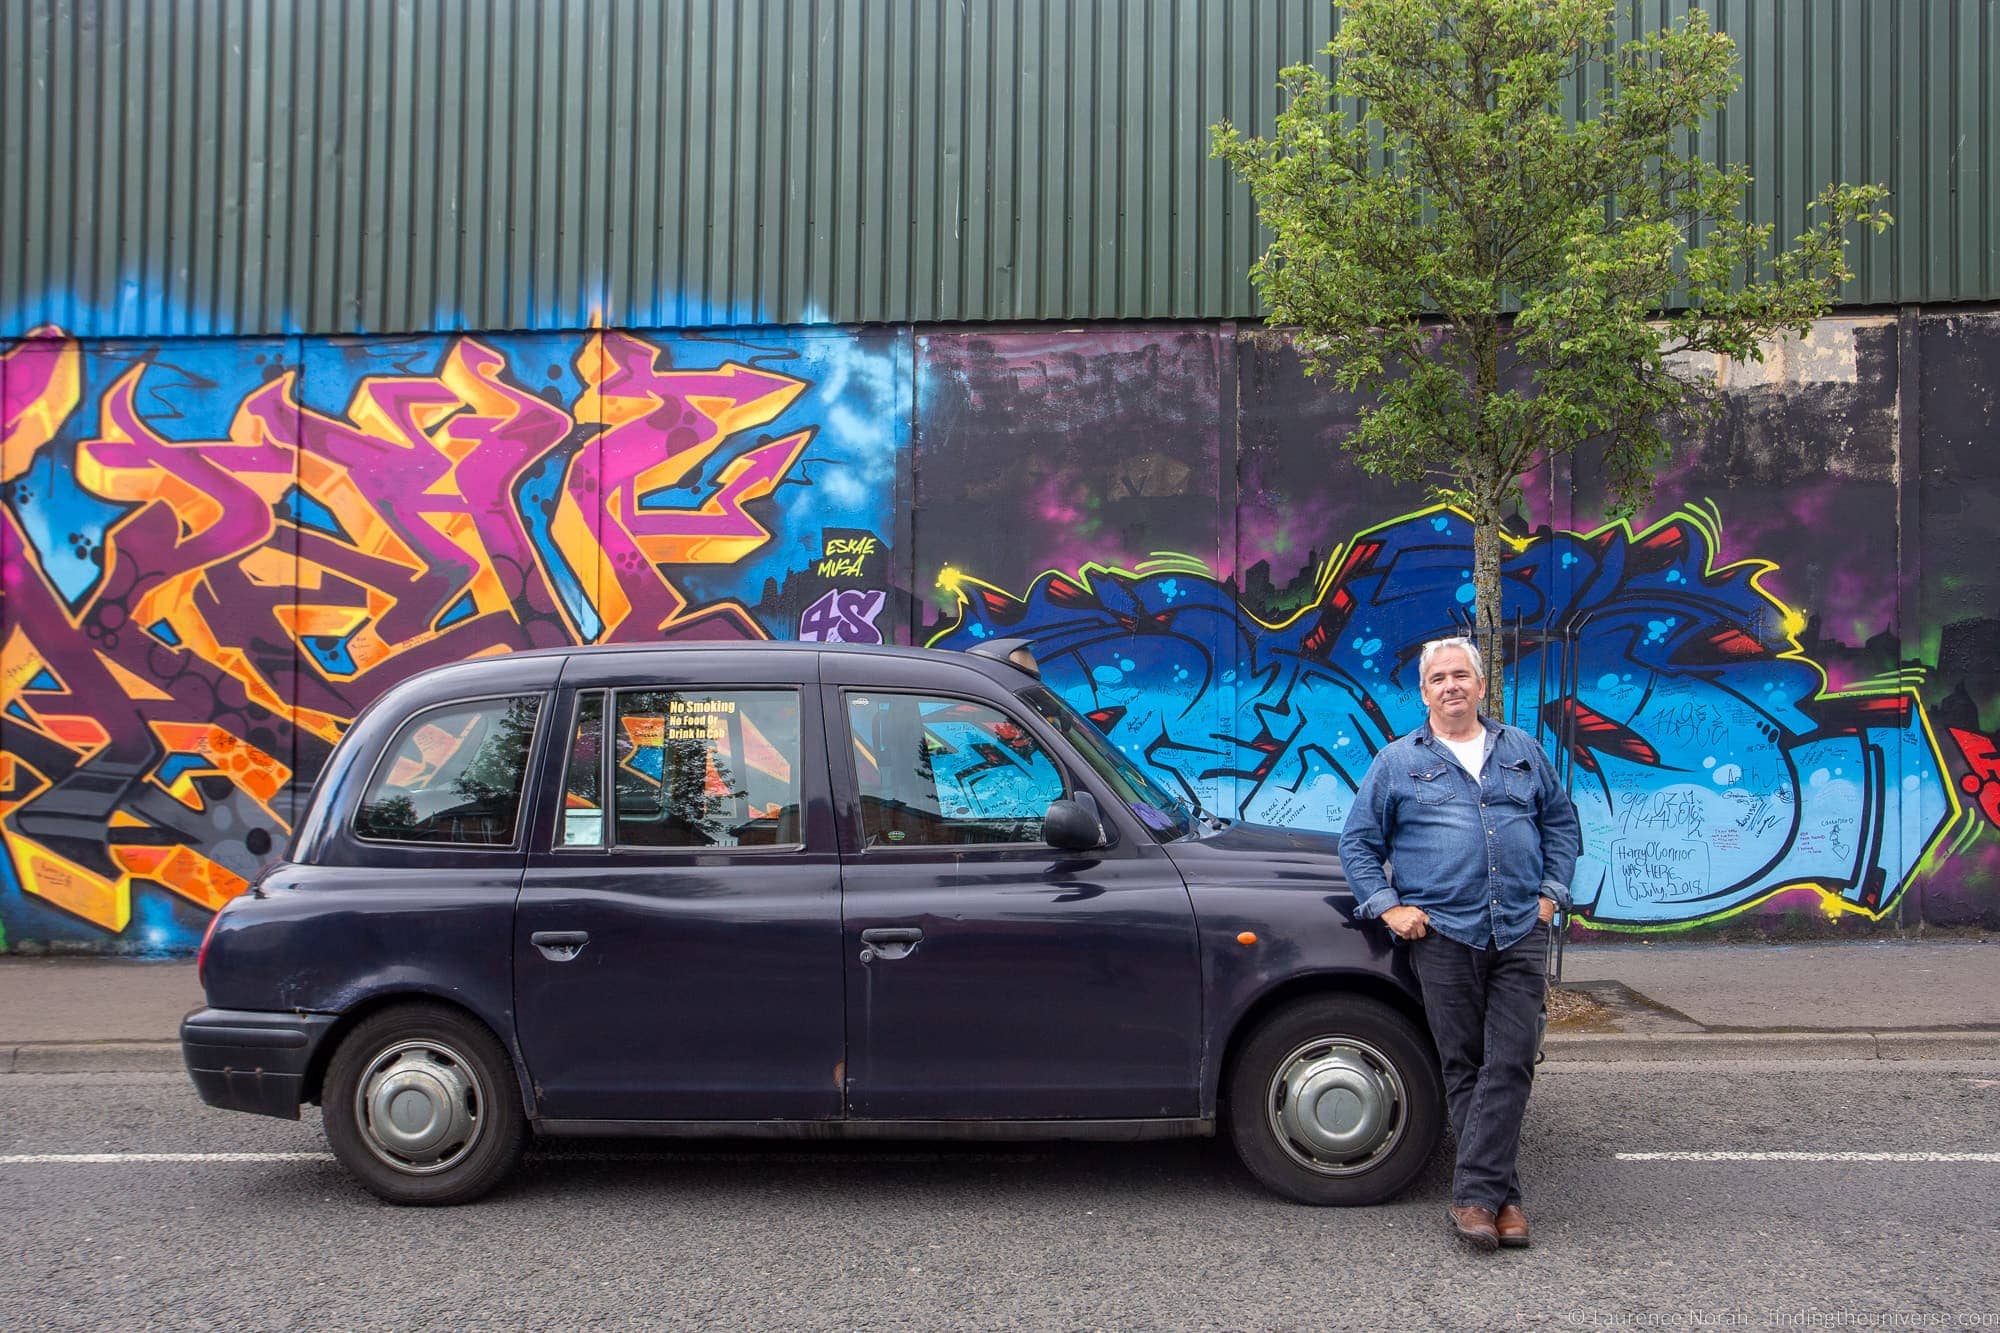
pixel 1471 754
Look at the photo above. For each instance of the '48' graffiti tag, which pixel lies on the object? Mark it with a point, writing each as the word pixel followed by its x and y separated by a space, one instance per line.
pixel 845 615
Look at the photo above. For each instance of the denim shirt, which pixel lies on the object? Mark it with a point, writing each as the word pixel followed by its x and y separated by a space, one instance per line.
pixel 1475 855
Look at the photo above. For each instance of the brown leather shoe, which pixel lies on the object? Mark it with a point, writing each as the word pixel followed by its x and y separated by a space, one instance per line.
pixel 1512 1224
pixel 1475 1226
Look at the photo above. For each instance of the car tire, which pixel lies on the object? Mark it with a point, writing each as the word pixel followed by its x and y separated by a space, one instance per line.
pixel 1335 1100
pixel 421 1105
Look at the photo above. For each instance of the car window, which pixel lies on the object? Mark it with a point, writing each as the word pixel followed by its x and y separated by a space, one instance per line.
pixel 692 768
pixel 583 777
pixel 1166 817
pixel 946 772
pixel 454 775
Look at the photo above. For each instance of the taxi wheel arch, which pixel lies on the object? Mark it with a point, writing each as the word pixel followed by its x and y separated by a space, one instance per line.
pixel 314 1087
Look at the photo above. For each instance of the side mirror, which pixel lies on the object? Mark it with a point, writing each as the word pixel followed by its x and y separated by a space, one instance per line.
pixel 1069 827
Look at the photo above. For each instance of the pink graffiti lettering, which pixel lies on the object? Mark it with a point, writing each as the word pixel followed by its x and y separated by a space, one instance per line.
pixel 844 616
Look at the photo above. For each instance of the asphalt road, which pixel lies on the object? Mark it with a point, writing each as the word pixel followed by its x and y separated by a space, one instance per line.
pixel 1060 1236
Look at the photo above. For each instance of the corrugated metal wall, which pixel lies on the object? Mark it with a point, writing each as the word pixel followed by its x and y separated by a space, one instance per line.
pixel 247 166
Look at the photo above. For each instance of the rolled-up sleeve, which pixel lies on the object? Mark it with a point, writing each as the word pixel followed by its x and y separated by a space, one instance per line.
pixel 1364 846
pixel 1562 834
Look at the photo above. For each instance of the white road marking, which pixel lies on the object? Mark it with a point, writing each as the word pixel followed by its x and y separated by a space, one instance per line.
pixel 760 1159
pixel 146 1158
pixel 1808 1156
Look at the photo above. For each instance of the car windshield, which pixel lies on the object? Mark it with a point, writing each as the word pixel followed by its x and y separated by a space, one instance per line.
pixel 1165 816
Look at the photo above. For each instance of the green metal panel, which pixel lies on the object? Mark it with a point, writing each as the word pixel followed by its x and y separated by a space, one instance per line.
pixel 194 167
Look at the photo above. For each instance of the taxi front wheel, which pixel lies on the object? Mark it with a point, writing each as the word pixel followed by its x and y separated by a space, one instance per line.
pixel 421 1106
pixel 1335 1100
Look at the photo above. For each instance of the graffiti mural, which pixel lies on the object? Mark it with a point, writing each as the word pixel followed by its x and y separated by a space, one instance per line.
pixel 217 554
pixel 1778 709
pixel 1710 764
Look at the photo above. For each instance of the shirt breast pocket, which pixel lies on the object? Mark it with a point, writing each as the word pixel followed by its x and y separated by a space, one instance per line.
pixel 1518 781
pixel 1432 786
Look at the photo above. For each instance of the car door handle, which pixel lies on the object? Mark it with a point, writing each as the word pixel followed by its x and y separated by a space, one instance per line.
pixel 559 946
pixel 889 942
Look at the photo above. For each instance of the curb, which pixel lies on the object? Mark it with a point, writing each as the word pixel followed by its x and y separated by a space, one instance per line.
pixel 1609 1047
pixel 91 1057
pixel 1939 1045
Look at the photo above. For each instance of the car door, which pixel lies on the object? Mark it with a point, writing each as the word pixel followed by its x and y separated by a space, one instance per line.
pixel 677 939
pixel 990 976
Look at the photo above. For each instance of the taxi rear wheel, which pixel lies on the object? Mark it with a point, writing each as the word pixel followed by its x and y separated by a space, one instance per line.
pixel 1336 1100
pixel 420 1105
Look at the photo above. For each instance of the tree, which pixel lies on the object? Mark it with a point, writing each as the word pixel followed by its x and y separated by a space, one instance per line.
pixel 1509 279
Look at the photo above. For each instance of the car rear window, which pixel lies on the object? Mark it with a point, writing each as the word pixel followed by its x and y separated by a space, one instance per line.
pixel 453 775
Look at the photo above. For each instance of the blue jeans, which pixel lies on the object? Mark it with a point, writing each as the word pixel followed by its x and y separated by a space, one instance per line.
pixel 1484 1007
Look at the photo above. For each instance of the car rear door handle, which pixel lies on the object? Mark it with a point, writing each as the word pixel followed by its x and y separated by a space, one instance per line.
pixel 889 942
pixel 559 946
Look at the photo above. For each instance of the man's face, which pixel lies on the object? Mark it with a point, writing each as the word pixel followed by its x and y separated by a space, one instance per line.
pixel 1451 688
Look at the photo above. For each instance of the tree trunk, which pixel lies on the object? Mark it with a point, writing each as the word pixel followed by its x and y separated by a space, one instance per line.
pixel 1487 614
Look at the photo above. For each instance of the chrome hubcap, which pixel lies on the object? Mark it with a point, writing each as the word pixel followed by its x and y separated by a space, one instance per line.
pixel 1337 1105
pixel 419 1106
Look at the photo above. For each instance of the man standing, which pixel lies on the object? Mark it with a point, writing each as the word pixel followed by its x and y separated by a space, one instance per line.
pixel 1482 839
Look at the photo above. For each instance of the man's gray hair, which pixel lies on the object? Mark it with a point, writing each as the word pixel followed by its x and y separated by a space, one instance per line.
pixel 1460 642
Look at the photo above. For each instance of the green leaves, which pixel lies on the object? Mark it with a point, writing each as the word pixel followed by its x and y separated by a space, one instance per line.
pixel 1490 220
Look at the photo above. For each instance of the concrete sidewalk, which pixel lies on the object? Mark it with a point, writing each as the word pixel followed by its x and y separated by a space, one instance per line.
pixel 1887 999
pixel 72 1015
pixel 1901 999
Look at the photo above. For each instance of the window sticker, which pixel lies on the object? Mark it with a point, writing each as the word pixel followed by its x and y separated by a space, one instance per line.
pixel 707 769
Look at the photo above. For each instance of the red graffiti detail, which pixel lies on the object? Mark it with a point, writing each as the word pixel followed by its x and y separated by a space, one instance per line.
pixel 1982 757
pixel 1735 643
pixel 1858 715
pixel 1594 731
pixel 1064 593
pixel 1106 718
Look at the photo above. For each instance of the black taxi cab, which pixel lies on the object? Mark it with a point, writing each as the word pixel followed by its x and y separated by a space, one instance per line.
pixel 804 890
